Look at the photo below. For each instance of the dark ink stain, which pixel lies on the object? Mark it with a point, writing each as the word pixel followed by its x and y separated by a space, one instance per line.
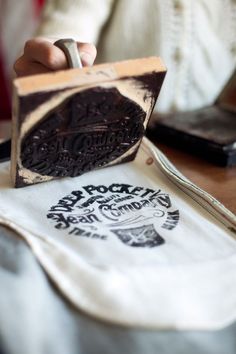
pixel 87 131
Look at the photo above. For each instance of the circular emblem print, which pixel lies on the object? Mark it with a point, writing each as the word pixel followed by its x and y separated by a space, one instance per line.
pixel 135 215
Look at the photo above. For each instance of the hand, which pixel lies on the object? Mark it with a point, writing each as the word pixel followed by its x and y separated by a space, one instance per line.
pixel 41 56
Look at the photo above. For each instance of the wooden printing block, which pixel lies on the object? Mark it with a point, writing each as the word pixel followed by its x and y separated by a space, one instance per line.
pixel 70 122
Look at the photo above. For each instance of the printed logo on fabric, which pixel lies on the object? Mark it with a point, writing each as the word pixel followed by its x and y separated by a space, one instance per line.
pixel 135 215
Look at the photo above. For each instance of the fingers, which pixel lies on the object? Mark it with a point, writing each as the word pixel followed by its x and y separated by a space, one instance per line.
pixel 41 56
pixel 24 67
pixel 88 53
pixel 46 53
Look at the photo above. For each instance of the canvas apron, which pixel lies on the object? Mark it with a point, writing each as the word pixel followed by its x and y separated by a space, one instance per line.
pixel 135 244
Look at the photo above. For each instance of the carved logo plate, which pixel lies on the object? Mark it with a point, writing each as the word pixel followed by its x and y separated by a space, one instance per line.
pixel 87 131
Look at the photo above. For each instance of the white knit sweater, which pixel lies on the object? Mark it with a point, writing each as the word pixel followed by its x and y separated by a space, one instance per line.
pixel 195 38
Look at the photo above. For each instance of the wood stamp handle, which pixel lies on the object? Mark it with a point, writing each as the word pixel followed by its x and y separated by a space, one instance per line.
pixel 70 49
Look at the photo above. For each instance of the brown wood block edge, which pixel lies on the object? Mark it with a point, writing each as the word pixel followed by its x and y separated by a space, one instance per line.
pixel 76 129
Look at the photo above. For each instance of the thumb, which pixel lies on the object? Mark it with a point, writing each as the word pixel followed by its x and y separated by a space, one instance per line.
pixel 88 53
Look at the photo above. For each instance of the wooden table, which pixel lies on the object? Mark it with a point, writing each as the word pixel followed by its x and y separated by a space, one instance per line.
pixel 5 129
pixel 218 181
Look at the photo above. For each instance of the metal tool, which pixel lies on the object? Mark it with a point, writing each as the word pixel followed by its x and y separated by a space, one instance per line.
pixel 70 49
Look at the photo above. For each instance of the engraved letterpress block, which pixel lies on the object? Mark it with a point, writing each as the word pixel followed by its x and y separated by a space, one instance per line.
pixel 73 121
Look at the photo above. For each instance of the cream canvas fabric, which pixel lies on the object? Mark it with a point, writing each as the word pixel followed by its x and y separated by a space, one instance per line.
pixel 134 244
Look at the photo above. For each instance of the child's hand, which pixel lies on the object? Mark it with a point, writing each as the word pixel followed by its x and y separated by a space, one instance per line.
pixel 41 56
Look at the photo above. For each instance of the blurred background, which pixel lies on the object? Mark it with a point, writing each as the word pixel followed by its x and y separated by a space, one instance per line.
pixel 18 21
